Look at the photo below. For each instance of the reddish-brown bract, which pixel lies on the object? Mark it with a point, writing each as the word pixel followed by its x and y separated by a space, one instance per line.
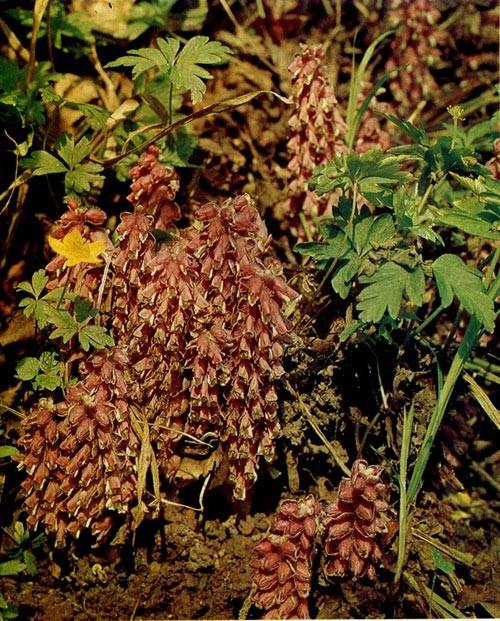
pixel 199 338
pixel 354 523
pixel 283 568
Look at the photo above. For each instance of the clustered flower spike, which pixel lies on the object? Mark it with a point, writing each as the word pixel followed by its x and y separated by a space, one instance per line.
pixel 283 567
pixel 154 187
pixel 349 532
pixel 210 312
pixel 316 135
pixel 355 522
pixel 199 339
pixel 79 453
pixel 415 47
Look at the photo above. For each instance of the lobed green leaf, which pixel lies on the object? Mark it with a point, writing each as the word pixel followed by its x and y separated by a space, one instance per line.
pixel 454 278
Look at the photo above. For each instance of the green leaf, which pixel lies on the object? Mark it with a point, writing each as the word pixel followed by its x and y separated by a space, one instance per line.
pixel 474 216
pixel 374 173
pixel 417 134
pixel 349 243
pixel 66 325
pixel 49 381
pixel 81 179
pixel 95 336
pixel 27 368
pixel 43 163
pixel 11 568
pixel 141 60
pixel 73 153
pixel 455 278
pixel 95 113
pixel 385 289
pixel 83 310
pixel 8 451
pixel 30 562
pixel 49 360
pixel 183 68
pixel 37 285
pixel 445 565
pixel 187 74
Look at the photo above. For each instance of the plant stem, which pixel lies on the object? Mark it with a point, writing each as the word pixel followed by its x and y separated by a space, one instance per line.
pixel 403 506
pixel 429 320
pixel 464 351
pixel 65 288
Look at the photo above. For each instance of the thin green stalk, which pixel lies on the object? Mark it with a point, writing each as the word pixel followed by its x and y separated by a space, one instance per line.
pixel 65 288
pixel 464 352
pixel 429 320
pixel 403 505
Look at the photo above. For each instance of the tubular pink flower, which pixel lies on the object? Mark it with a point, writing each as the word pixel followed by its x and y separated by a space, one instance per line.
pixel 355 523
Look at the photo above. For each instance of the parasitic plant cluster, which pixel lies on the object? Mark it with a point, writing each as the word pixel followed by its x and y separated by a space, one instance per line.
pixel 283 567
pixel 199 337
pixel 80 453
pixel 415 47
pixel 211 309
pixel 355 523
pixel 316 135
pixel 350 532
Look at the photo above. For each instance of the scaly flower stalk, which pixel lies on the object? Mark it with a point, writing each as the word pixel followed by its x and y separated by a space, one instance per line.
pixel 283 568
pixel 80 453
pixel 199 339
pixel 213 305
pixel 316 135
pixel 355 523
pixel 415 47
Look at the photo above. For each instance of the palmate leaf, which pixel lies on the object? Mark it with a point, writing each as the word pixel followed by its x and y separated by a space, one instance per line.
pixel 95 336
pixel 455 278
pixel 43 163
pixel 374 173
pixel 11 568
pixel 80 179
pixel 187 74
pixel 181 66
pixel 385 289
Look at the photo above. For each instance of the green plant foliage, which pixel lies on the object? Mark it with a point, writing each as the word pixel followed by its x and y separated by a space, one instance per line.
pixel 385 289
pixel 478 214
pixel 20 102
pixel 456 279
pixel 182 67
pixel 9 568
pixel 44 372
pixel 35 305
pixel 351 243
pixel 79 175
pixel 24 544
pixel 373 173
pixel 380 256
pixel 47 311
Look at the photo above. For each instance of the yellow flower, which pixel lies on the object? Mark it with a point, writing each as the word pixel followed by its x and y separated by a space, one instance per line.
pixel 456 112
pixel 76 249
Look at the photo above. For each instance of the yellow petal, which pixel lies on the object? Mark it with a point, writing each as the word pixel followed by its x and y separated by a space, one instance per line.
pixel 76 249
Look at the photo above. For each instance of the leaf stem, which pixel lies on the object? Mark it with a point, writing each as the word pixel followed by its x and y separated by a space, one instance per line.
pixel 63 293
pixel 464 351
